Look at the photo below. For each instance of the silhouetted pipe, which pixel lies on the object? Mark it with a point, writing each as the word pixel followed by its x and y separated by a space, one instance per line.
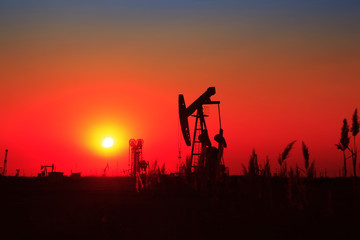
pixel 5 161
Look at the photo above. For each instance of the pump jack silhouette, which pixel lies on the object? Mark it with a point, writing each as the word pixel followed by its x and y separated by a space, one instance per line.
pixel 202 151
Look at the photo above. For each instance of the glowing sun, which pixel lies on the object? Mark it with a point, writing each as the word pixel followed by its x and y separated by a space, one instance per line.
pixel 108 142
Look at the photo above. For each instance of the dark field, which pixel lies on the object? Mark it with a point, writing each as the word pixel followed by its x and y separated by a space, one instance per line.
pixel 241 208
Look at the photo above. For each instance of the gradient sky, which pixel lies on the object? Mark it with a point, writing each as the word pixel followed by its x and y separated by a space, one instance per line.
pixel 74 72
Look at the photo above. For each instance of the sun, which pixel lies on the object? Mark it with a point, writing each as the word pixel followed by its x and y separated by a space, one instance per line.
pixel 106 139
pixel 108 142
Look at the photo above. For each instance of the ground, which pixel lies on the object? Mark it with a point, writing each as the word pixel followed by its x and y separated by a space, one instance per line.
pixel 241 208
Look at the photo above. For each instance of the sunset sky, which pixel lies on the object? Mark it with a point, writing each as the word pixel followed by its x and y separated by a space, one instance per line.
pixel 75 72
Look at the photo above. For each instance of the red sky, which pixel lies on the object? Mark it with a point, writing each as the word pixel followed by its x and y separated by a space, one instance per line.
pixel 69 79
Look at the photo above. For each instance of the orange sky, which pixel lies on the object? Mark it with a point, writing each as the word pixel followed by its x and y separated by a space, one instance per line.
pixel 66 80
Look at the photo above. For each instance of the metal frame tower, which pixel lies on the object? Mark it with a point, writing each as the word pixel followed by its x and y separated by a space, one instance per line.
pixel 137 164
